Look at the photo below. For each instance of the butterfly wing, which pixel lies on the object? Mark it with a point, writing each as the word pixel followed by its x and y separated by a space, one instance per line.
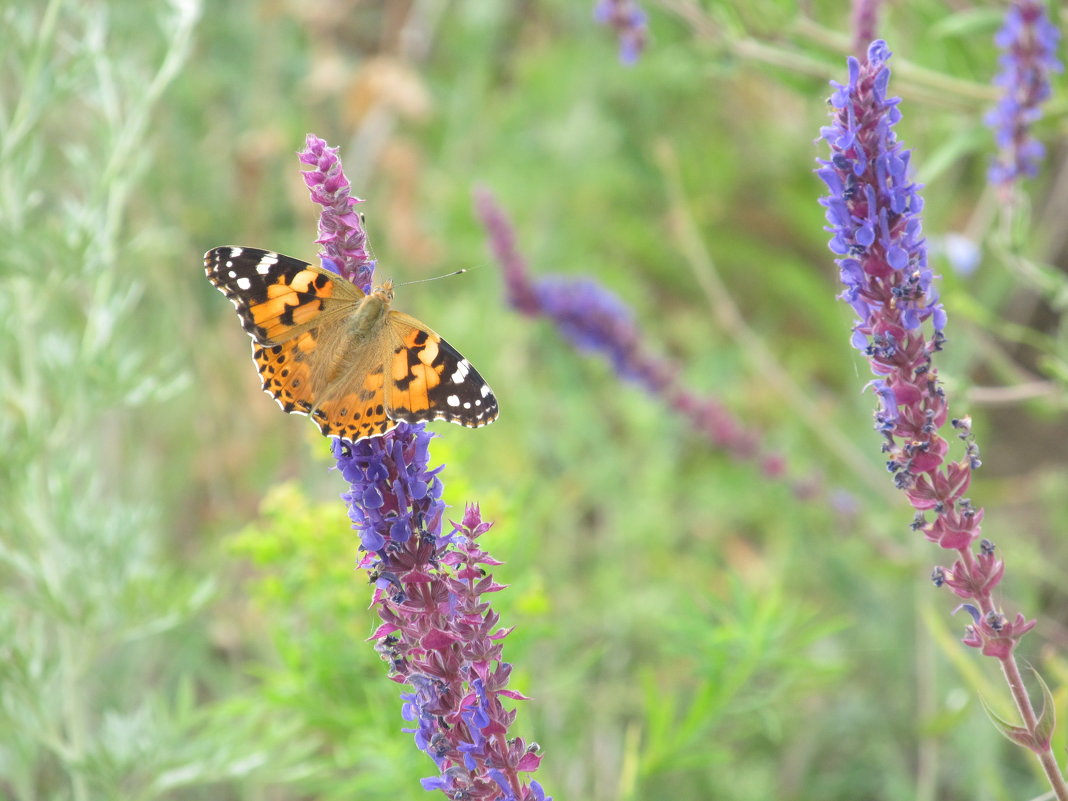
pixel 430 380
pixel 352 409
pixel 277 297
pixel 286 371
pixel 356 408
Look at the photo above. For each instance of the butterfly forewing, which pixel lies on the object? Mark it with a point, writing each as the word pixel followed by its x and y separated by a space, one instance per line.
pixel 432 381
pixel 277 297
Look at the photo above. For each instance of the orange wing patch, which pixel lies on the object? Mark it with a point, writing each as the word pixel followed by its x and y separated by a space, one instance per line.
pixel 290 301
pixel 414 373
pixel 286 372
pixel 358 413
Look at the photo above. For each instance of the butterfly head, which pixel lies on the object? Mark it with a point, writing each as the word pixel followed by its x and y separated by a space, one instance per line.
pixel 384 292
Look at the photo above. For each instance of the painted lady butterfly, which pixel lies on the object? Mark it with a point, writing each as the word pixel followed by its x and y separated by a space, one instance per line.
pixel 346 359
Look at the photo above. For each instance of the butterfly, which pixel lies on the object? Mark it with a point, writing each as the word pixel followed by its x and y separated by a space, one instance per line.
pixel 346 359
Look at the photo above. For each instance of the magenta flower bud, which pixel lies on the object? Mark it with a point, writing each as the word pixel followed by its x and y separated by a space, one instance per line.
pixel 998 636
pixel 976 578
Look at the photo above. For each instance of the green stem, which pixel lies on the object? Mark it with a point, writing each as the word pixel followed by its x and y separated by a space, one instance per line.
pixel 22 118
pixel 74 712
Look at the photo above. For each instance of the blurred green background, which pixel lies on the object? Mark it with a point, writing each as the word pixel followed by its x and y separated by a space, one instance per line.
pixel 181 617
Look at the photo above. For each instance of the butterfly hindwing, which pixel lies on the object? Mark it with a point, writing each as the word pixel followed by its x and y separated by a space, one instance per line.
pixel 359 411
pixel 430 380
pixel 286 370
pixel 349 410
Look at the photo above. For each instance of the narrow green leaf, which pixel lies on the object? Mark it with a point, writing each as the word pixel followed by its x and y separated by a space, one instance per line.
pixel 1047 716
pixel 1017 734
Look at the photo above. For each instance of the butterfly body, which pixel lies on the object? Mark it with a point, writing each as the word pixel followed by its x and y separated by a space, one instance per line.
pixel 347 359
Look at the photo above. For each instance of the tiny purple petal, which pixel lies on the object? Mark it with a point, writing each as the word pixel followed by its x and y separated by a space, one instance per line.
pixel 371 540
pixel 373 498
pixel 971 610
pixel 400 531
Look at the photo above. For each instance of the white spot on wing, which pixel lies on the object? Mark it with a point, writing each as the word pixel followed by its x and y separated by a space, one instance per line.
pixel 452 400
pixel 485 390
pixel 467 405
pixel 243 283
pixel 462 369
pixel 266 263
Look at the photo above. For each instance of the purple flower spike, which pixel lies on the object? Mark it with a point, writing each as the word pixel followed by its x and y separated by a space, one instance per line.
pixel 874 209
pixel 439 634
pixel 595 320
pixel 440 637
pixel 630 23
pixel 1028 44
pixel 341 231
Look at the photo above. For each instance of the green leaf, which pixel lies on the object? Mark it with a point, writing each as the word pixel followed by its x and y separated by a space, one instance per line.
pixel 1047 716
pixel 1017 734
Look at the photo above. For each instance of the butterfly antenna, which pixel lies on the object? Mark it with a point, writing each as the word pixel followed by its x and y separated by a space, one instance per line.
pixel 436 277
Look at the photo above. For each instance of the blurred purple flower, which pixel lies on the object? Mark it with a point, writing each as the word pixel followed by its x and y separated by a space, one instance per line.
pixel 630 23
pixel 962 253
pixel 596 321
pixel 439 634
pixel 1028 44
pixel 865 23
pixel 874 213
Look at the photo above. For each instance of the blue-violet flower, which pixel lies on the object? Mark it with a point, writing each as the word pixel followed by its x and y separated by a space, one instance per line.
pixel 1028 43
pixel 873 208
